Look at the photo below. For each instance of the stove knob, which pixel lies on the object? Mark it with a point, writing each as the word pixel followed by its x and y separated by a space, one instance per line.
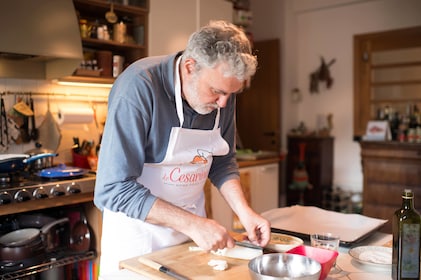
pixel 5 198
pixel 73 188
pixel 22 195
pixel 40 193
pixel 57 190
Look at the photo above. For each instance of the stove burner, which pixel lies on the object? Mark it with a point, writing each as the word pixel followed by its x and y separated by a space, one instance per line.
pixel 32 187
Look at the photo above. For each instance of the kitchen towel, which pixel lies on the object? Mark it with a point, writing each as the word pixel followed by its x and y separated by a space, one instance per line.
pixel 75 116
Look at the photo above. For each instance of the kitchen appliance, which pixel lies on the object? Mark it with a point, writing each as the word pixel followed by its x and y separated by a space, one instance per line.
pixel 23 187
pixel 25 193
pixel 40 39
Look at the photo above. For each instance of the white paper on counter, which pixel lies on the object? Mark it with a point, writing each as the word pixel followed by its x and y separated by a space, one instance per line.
pixel 309 219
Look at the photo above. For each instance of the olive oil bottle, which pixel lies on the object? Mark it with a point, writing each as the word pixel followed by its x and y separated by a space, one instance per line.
pixel 406 240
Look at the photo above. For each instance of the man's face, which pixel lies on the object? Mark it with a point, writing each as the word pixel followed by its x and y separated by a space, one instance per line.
pixel 209 89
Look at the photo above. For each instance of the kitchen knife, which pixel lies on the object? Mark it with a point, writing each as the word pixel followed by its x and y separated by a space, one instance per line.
pixel 248 245
pixel 161 268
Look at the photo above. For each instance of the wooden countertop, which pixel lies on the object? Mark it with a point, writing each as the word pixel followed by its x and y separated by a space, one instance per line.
pixel 248 163
pixel 192 264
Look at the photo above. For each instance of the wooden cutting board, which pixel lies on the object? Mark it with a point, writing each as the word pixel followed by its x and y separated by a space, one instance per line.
pixel 191 264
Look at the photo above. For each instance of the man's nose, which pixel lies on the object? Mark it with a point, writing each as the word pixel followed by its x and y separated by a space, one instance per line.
pixel 222 101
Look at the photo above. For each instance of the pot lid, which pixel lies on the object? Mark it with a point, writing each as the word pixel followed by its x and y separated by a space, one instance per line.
pixel 62 171
pixel 19 237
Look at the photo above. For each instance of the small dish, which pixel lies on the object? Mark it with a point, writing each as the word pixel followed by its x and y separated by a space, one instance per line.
pixel 372 255
pixel 280 242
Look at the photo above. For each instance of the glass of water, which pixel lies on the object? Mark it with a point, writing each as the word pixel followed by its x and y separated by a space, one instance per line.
pixel 325 240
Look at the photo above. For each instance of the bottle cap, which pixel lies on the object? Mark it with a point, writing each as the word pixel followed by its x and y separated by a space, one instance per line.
pixel 407 193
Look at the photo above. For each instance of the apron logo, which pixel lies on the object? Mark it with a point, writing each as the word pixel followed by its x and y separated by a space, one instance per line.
pixel 178 177
pixel 201 157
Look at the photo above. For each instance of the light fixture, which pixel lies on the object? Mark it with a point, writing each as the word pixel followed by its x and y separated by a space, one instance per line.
pixel 85 82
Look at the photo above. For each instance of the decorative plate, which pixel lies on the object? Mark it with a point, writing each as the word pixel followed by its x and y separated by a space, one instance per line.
pixel 373 255
pixel 283 242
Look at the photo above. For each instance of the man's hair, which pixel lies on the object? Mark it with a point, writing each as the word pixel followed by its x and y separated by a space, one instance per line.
pixel 221 41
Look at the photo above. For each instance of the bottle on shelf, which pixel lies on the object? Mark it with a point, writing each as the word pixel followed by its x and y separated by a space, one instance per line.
pixel 406 240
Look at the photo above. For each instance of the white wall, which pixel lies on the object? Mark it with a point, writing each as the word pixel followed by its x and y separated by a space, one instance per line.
pixel 171 22
pixel 326 27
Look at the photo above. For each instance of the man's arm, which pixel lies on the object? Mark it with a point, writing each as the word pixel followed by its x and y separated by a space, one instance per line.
pixel 258 228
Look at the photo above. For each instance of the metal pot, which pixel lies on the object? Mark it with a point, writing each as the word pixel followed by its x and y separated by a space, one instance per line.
pixel 10 163
pixel 42 162
pixel 26 243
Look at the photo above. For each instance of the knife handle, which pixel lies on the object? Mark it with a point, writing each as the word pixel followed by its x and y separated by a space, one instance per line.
pixel 150 263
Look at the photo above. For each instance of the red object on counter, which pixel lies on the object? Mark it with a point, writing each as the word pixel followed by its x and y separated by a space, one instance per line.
pixel 80 160
pixel 325 257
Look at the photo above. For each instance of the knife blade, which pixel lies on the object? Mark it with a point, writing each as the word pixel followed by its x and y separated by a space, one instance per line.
pixel 161 268
pixel 248 245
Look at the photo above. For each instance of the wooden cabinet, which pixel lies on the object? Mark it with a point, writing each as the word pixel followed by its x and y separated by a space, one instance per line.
pixel 387 74
pixel 388 168
pixel 133 47
pixel 318 162
pixel 260 183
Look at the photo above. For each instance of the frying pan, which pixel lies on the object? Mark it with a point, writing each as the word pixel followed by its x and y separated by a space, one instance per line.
pixel 26 243
pixel 17 162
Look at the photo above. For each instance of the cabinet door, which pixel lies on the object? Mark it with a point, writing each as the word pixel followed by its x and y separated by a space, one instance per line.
pixel 258 109
pixel 265 187
pixel 261 185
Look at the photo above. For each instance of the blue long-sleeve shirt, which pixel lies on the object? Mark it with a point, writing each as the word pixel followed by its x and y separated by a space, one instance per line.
pixel 141 113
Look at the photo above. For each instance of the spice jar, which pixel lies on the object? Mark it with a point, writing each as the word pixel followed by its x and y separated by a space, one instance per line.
pixel 119 32
pixel 84 28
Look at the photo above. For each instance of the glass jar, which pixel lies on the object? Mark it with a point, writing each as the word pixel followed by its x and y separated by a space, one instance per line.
pixel 84 28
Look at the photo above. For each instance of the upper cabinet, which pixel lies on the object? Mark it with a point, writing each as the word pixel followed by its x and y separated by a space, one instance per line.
pixel 114 34
pixel 387 80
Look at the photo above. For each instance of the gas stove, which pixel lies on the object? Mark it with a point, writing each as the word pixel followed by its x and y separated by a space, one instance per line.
pixel 21 188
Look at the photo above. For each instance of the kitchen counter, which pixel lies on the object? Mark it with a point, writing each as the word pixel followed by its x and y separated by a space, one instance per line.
pixel 347 268
pixel 255 162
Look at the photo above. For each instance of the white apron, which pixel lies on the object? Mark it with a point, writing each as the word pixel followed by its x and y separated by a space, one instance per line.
pixel 179 179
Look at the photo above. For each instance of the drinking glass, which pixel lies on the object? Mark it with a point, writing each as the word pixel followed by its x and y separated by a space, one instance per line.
pixel 327 241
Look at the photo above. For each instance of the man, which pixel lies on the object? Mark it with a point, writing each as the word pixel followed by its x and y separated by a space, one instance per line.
pixel 170 126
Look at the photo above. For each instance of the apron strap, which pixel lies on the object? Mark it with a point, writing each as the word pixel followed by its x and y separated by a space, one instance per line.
pixel 179 101
pixel 177 89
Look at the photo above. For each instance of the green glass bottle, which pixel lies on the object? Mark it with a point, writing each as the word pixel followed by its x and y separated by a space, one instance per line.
pixel 406 240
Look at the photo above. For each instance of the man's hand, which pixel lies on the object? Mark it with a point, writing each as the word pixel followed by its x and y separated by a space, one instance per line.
pixel 206 233
pixel 210 235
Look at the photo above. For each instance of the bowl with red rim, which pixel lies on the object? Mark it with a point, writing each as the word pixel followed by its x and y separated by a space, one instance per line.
pixel 325 257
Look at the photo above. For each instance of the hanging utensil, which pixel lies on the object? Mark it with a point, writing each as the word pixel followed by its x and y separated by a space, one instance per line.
pixel 34 130
pixel 3 127
pixel 110 16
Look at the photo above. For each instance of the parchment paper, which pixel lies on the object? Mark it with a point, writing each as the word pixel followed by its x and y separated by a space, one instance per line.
pixel 306 220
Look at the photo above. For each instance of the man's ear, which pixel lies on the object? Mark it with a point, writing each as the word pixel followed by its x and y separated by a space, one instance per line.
pixel 189 65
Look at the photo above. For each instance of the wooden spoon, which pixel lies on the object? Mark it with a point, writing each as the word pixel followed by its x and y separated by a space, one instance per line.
pixel 110 16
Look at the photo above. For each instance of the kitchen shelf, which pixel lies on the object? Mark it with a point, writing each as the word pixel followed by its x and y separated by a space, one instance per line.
pixel 32 205
pixel 395 83
pixel 386 74
pixel 73 258
pixel 97 43
pixel 135 47
pixel 396 65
